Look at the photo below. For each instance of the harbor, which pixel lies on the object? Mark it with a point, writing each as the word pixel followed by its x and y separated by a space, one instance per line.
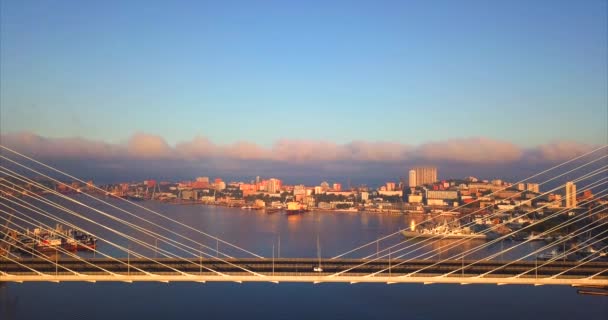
pixel 46 241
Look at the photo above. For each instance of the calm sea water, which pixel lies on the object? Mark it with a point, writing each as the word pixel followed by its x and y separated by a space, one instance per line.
pixel 297 235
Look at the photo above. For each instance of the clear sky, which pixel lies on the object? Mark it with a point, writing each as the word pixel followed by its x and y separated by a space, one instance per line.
pixel 527 72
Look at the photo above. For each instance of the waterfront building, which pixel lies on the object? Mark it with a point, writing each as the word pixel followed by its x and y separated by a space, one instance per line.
pixel 340 204
pixel 414 198
pixel 188 195
pixel 324 205
pixel 309 201
pixel 259 203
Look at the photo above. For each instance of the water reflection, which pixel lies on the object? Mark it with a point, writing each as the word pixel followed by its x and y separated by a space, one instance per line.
pixel 8 303
pixel 255 231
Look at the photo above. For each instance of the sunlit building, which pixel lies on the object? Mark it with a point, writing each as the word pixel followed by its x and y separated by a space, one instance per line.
pixel 570 195
pixel 299 190
pixel 273 185
pixel 423 175
pixel 220 185
pixel 533 187
pixel 364 196
pixel 412 178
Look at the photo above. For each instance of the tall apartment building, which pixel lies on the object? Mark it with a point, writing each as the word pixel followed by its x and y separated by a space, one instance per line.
pixel 412 178
pixel 273 185
pixel 570 195
pixel 422 175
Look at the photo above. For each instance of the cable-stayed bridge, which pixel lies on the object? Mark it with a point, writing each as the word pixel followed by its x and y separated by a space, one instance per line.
pixel 418 259
pixel 302 270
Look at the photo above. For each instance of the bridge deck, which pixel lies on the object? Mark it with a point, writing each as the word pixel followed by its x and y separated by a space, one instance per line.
pixel 301 270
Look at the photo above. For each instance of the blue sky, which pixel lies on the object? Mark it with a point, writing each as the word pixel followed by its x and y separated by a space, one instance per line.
pixel 527 72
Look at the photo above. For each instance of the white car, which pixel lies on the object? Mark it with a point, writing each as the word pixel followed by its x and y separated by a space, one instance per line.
pixel 317 269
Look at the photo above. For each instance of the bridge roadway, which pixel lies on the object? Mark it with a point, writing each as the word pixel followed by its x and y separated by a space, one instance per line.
pixel 301 270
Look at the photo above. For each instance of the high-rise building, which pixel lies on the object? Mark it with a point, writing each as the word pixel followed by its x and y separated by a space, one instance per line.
pixel 570 195
pixel 390 186
pixel 424 175
pixel 273 185
pixel 337 187
pixel 412 178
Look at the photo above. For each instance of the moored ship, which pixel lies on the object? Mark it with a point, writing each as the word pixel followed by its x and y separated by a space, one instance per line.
pixel 43 240
pixel 446 231
pixel 295 208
